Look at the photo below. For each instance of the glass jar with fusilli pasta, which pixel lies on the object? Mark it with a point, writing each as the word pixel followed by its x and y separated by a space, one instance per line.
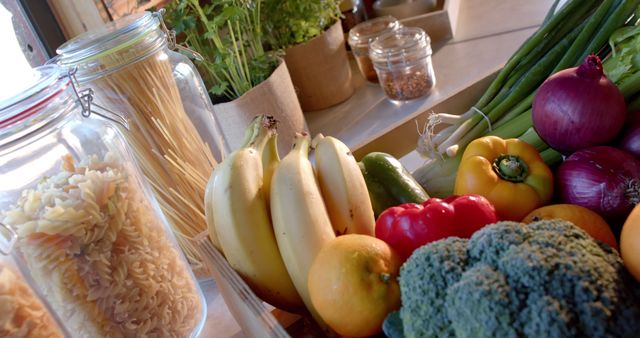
pixel 88 232
pixel 23 313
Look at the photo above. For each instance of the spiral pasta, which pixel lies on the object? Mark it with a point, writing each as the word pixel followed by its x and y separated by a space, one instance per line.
pixel 101 255
pixel 21 313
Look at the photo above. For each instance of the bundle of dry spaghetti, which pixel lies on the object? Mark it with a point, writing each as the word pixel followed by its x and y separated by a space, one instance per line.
pixel 167 146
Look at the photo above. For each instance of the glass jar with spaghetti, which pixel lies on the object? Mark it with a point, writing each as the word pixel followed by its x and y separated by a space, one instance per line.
pixel 131 66
pixel 362 34
pixel 81 219
pixel 402 60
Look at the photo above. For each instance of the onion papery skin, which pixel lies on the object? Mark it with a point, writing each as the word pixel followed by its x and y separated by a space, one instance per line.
pixel 630 138
pixel 603 178
pixel 577 108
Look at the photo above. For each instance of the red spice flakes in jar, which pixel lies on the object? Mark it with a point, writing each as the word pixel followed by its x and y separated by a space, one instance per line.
pixel 362 34
pixel 402 60
pixel 366 68
pixel 406 86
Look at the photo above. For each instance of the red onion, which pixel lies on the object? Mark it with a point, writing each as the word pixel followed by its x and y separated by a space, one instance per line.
pixel 603 179
pixel 630 140
pixel 578 108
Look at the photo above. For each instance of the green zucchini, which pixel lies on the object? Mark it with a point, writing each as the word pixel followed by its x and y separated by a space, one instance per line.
pixel 398 184
pixel 380 198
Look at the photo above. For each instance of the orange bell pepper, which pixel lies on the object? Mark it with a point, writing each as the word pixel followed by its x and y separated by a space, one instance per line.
pixel 509 173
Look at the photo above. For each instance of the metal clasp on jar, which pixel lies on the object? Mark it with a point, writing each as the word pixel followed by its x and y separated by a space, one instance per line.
pixel 171 38
pixel 85 98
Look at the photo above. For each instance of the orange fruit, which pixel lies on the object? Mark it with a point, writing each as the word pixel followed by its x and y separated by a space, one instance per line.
pixel 353 284
pixel 584 218
pixel 630 243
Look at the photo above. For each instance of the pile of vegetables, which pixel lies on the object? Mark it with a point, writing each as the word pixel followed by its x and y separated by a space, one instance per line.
pixel 547 166
pixel 575 110
pixel 565 39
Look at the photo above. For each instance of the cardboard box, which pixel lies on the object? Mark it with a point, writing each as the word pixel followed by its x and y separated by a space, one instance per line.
pixel 441 24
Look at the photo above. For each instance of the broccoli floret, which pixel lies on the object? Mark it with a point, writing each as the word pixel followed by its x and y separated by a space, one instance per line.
pixel 480 299
pixel 423 291
pixel 544 279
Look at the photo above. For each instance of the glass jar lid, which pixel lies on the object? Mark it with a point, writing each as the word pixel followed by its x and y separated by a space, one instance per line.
pixel 40 87
pixel 361 34
pixel 402 46
pixel 108 38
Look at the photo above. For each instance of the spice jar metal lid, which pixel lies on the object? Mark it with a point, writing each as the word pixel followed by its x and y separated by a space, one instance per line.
pixel 361 34
pixel 401 47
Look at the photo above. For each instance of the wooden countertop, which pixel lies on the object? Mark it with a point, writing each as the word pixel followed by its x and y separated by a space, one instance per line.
pixel 488 33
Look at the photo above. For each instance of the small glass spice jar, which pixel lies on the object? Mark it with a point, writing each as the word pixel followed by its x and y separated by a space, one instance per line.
pixel 362 34
pixel 402 60
pixel 352 14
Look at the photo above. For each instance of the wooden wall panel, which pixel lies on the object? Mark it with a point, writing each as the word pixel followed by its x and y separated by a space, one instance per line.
pixel 76 16
pixel 120 8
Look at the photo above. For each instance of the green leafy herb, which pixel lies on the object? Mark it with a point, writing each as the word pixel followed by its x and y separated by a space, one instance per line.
pixel 291 22
pixel 625 53
pixel 229 35
pixel 623 65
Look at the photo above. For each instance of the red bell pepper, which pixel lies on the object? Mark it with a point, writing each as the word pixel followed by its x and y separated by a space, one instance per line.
pixel 409 226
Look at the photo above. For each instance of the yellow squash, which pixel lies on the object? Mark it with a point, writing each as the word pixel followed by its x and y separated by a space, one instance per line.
pixel 510 173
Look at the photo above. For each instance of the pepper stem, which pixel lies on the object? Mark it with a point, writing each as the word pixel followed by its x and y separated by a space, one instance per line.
pixel 511 168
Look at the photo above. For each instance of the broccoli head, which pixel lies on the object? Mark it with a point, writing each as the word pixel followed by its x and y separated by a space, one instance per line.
pixel 544 279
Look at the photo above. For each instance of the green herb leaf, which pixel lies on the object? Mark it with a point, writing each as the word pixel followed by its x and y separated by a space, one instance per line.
pixel 625 54
pixel 229 35
pixel 291 22
pixel 218 89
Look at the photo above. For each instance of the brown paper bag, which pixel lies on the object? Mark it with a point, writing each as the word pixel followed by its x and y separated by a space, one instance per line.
pixel 320 70
pixel 275 96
